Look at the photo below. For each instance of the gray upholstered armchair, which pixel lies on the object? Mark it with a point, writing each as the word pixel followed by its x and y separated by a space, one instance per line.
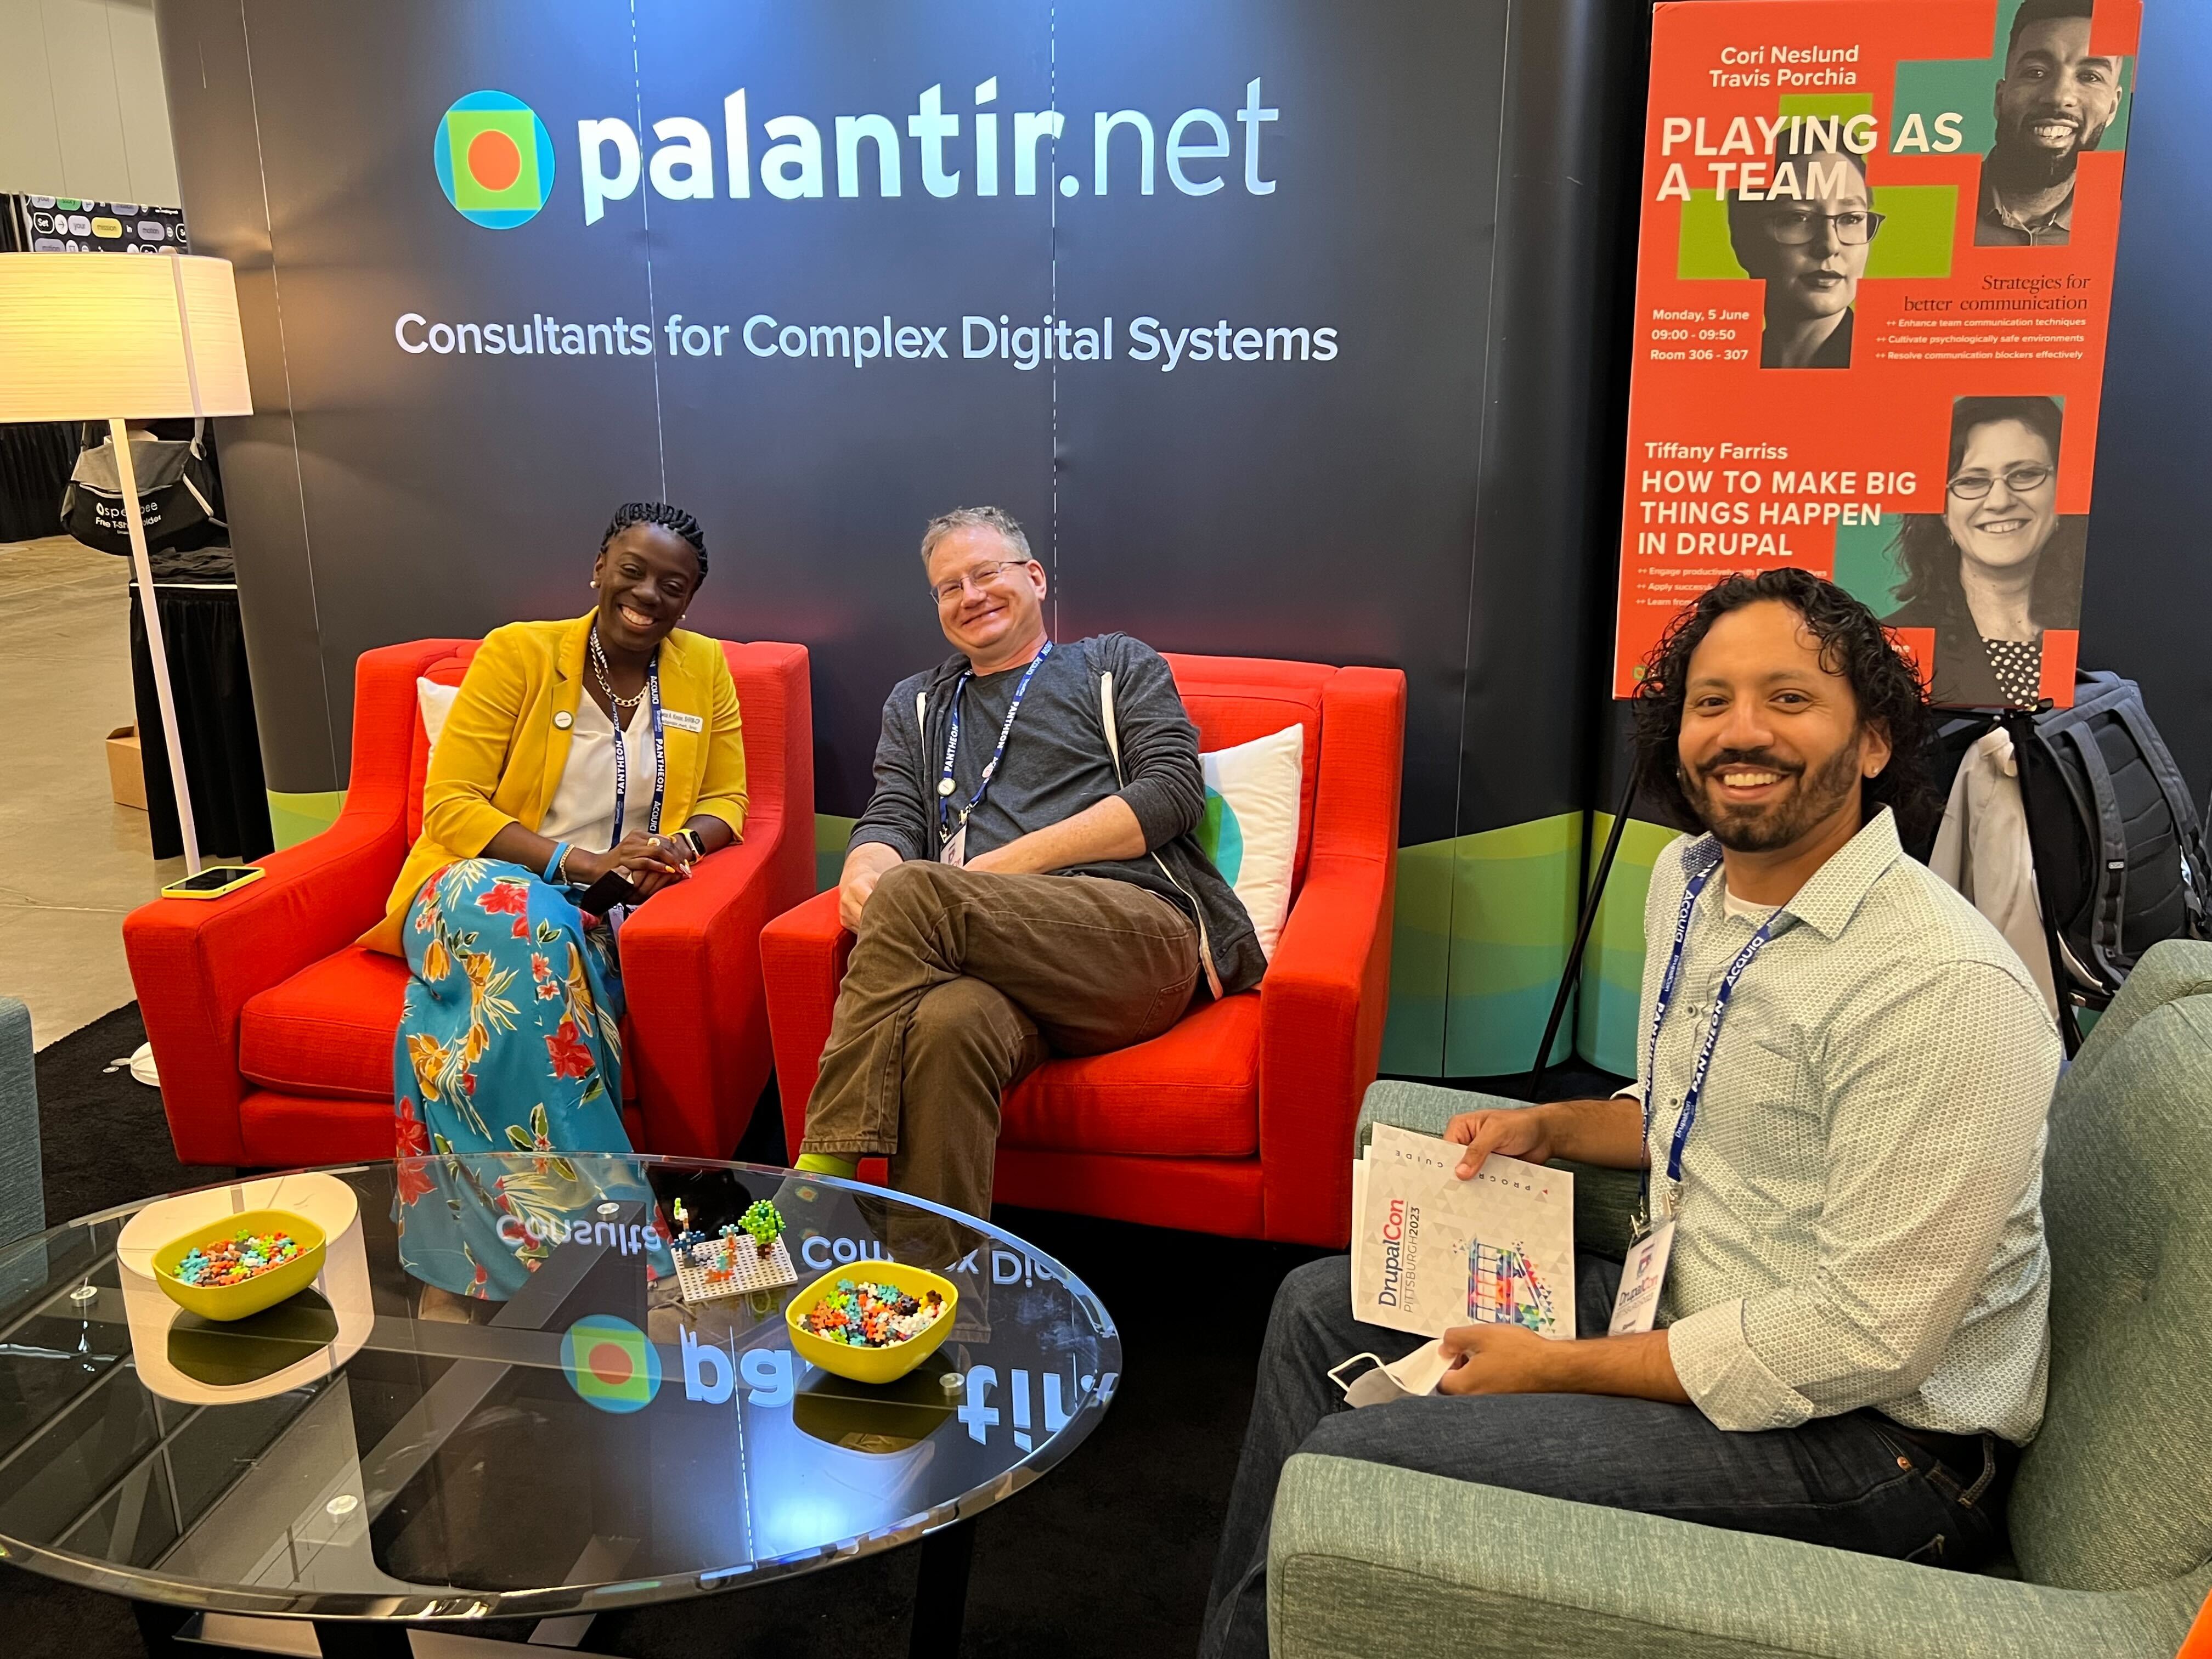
pixel 22 1186
pixel 2111 1515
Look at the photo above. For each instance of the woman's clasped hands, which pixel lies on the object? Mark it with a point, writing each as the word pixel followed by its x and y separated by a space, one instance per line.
pixel 648 862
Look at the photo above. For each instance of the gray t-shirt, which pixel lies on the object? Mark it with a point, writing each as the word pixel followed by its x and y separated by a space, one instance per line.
pixel 1056 764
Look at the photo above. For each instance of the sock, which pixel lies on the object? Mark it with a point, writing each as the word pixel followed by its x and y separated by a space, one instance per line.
pixel 824 1164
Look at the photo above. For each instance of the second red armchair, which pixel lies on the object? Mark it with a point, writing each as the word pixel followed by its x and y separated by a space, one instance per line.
pixel 1239 1120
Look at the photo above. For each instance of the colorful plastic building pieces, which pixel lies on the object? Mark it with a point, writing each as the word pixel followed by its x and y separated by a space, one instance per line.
pixel 861 1314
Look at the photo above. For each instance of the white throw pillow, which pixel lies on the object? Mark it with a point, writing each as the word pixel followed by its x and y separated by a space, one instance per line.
pixel 437 702
pixel 1250 830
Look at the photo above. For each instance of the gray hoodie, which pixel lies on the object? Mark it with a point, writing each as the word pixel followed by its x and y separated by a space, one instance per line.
pixel 1057 763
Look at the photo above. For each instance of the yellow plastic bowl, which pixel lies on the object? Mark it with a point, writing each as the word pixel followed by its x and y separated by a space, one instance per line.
pixel 264 1291
pixel 870 1365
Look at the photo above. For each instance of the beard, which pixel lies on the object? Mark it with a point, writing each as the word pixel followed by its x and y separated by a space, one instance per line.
pixel 2017 164
pixel 1767 827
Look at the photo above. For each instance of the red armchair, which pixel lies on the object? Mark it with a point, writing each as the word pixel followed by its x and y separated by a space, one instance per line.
pixel 1239 1120
pixel 273 1029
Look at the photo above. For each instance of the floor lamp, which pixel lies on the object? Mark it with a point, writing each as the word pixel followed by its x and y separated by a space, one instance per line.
pixel 106 337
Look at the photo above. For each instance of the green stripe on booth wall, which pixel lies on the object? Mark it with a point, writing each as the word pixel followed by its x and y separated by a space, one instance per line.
pixel 1481 932
pixel 1605 1014
pixel 294 818
pixel 1482 928
pixel 830 834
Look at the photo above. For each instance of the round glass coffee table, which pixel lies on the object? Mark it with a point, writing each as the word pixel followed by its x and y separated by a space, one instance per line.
pixel 498 1402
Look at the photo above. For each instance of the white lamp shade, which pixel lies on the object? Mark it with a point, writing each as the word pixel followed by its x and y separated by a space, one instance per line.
pixel 87 336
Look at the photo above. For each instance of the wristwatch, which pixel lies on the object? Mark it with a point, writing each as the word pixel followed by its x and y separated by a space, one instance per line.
pixel 694 850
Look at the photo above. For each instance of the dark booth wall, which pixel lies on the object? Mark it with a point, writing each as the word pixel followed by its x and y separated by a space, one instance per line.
pixel 2147 603
pixel 1424 198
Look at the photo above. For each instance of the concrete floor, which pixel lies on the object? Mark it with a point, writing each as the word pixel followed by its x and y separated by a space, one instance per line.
pixel 72 863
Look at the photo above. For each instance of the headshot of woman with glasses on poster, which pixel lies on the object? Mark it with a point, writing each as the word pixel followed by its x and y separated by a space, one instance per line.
pixel 1810 251
pixel 2000 565
pixel 1814 177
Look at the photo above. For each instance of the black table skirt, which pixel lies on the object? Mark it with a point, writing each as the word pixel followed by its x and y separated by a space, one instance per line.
pixel 206 647
pixel 34 469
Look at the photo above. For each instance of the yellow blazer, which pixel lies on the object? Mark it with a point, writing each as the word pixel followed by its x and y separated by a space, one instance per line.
pixel 499 759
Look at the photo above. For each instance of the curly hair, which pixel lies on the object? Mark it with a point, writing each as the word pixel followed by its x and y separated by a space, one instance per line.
pixel 659 514
pixel 1888 691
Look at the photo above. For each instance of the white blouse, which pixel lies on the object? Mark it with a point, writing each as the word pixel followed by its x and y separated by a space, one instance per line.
pixel 583 810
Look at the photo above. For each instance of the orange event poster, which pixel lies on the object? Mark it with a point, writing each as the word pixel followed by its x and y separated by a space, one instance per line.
pixel 1871 293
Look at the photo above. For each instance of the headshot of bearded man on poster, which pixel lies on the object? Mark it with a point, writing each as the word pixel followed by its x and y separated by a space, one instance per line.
pixel 1810 250
pixel 2055 101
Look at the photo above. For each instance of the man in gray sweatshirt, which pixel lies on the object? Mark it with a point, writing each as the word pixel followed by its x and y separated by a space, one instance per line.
pixel 1023 882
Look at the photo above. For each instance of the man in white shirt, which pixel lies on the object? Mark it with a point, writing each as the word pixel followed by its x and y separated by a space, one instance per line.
pixel 1852 1334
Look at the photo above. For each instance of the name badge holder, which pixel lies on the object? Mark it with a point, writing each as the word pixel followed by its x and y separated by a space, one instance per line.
pixel 1635 1305
pixel 951 834
pixel 622 772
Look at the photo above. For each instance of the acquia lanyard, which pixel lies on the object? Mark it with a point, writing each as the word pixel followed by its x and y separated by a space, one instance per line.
pixel 1669 983
pixel 660 756
pixel 946 827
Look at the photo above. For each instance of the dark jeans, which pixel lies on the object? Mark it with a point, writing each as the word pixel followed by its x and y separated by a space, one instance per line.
pixel 1853 1482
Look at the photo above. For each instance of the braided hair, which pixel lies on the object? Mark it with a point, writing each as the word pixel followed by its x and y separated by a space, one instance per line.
pixel 661 514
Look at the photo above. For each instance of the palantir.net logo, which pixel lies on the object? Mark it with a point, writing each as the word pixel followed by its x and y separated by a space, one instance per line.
pixel 495 160
pixel 610 1364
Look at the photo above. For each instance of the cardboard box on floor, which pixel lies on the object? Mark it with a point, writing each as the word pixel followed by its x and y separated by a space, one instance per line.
pixel 126 768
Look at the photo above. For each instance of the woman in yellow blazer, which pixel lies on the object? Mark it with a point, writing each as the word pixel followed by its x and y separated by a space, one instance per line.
pixel 608 743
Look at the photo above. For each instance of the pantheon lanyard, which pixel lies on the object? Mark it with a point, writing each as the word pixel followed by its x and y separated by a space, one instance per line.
pixel 946 827
pixel 1667 985
pixel 660 756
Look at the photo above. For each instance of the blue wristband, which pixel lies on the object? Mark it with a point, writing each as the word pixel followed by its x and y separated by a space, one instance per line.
pixel 552 871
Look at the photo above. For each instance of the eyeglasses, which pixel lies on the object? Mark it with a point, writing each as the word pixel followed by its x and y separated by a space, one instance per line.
pixel 946 593
pixel 1793 227
pixel 1972 486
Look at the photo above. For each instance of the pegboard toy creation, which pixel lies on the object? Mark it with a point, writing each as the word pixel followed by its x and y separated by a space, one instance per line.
pixel 748 1255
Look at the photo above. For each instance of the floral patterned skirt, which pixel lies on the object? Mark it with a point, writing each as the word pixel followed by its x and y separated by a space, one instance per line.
pixel 510 1042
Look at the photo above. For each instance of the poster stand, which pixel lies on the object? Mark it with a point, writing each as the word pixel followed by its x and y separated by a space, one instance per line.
pixel 1570 975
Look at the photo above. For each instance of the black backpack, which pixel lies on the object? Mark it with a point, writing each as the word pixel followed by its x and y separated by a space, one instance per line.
pixel 2120 858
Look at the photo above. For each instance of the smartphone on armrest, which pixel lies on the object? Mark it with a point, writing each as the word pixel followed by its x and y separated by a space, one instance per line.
pixel 214 882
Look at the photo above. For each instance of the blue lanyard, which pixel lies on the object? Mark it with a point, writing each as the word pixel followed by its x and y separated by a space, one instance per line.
pixel 660 756
pixel 1667 985
pixel 946 828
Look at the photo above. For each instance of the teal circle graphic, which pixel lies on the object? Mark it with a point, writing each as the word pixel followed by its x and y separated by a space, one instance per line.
pixel 494 159
pixel 1219 834
pixel 610 1364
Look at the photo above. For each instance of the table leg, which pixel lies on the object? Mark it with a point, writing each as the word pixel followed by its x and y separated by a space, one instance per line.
pixel 158 1627
pixel 362 1639
pixel 940 1594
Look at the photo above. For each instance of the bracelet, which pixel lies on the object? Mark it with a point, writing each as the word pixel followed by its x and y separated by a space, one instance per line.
pixel 553 870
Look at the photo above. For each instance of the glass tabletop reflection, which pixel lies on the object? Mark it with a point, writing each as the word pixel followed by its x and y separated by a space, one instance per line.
pixel 497 1402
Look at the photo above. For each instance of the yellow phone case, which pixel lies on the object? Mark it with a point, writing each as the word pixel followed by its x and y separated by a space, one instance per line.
pixel 252 872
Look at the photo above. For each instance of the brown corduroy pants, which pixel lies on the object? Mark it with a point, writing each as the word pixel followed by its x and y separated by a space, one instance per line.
pixel 961 982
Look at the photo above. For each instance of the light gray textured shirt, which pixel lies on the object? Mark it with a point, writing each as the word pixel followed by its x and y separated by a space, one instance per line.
pixel 1860 1221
